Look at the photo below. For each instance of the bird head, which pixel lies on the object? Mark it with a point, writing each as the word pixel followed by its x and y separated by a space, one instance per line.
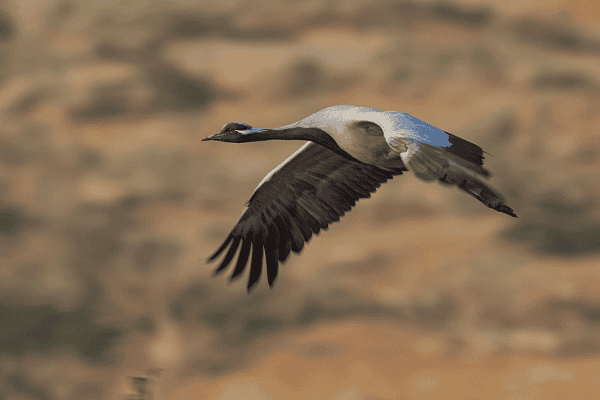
pixel 236 132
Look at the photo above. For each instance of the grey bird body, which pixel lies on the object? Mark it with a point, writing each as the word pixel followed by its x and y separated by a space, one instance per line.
pixel 350 152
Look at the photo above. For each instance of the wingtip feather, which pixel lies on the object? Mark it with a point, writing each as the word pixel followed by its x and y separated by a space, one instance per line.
pixel 220 249
pixel 256 265
pixel 229 256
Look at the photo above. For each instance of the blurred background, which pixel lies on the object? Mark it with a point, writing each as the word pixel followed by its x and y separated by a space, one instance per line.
pixel 110 204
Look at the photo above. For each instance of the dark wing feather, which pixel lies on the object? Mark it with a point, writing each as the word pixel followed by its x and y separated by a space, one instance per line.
pixel 311 189
pixel 242 259
pixel 465 150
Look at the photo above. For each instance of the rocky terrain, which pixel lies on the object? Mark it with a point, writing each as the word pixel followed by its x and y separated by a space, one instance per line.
pixel 110 203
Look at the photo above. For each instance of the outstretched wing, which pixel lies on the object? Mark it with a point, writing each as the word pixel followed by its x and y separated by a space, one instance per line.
pixel 457 164
pixel 311 189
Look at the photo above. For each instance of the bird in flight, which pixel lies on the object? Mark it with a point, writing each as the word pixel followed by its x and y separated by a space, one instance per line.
pixel 350 152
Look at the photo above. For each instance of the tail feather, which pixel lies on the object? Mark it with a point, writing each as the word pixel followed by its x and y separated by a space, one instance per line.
pixel 484 194
pixel 435 163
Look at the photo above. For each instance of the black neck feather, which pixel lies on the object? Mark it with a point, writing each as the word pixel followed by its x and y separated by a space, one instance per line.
pixel 315 135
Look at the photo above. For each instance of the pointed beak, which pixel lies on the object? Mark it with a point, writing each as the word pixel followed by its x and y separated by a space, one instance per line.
pixel 235 136
pixel 214 136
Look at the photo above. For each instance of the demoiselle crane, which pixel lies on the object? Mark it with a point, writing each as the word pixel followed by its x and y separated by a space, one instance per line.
pixel 350 152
